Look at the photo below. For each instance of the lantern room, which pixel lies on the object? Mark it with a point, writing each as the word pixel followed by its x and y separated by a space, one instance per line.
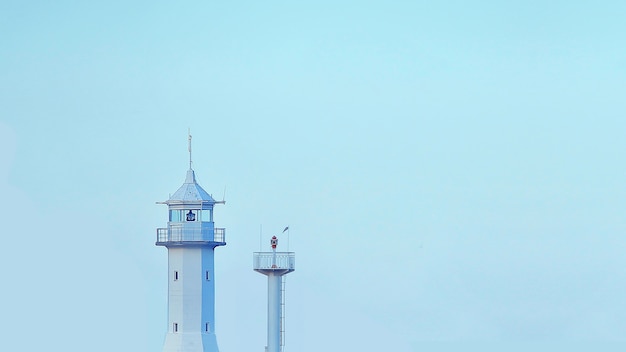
pixel 190 216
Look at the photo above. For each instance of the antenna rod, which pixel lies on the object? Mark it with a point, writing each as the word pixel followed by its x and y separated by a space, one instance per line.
pixel 189 147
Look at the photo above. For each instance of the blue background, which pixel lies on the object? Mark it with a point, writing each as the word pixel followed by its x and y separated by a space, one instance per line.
pixel 451 172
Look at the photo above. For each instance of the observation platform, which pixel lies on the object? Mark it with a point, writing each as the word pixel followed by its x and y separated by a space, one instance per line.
pixel 274 261
pixel 200 235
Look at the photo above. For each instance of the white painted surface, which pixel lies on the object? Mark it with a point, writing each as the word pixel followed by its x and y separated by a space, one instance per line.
pixel 191 300
pixel 274 297
pixel 190 244
pixel 275 265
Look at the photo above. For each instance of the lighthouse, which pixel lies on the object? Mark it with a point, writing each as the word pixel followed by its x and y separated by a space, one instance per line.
pixel 190 238
pixel 275 265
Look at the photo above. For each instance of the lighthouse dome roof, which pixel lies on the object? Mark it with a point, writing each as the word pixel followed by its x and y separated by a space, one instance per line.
pixel 191 191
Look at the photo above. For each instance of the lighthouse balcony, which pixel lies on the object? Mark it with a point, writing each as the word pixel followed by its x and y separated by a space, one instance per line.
pixel 274 261
pixel 185 234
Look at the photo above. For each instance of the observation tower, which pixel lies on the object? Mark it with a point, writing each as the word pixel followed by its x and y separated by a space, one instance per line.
pixel 191 238
pixel 275 265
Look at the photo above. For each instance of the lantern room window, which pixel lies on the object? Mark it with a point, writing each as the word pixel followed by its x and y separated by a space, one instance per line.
pixel 191 215
pixel 206 215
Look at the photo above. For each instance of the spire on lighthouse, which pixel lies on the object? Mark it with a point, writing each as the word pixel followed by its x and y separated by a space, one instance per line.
pixel 190 191
pixel 189 146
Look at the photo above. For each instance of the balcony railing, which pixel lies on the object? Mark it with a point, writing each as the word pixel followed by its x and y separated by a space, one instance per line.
pixel 219 234
pixel 191 234
pixel 274 261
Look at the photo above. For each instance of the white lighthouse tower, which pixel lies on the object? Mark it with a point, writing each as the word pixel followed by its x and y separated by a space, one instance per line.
pixel 190 238
pixel 275 265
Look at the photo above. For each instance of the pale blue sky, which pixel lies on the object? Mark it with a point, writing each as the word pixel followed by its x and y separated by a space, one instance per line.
pixel 450 171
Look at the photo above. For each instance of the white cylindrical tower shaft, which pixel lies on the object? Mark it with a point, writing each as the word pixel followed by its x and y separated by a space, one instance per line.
pixel 274 311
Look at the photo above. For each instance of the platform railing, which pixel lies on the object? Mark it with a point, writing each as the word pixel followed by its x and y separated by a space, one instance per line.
pixel 277 261
pixel 219 235
pixel 193 234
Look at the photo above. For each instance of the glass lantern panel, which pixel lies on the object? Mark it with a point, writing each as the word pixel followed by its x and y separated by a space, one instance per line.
pixel 206 215
pixel 176 215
